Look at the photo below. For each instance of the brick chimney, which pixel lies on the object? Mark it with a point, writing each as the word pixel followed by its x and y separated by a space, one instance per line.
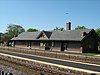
pixel 68 26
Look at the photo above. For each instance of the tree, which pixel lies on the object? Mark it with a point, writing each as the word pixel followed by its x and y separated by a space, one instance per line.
pixel 32 30
pixel 80 27
pixel 0 36
pixel 59 28
pixel 13 30
pixel 5 38
pixel 98 31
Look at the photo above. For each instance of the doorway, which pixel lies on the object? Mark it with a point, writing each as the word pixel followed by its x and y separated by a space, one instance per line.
pixel 64 46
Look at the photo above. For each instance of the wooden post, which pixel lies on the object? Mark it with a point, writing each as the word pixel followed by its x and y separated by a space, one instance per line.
pixel 30 44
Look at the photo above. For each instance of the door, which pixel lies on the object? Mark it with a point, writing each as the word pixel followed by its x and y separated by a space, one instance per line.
pixel 64 46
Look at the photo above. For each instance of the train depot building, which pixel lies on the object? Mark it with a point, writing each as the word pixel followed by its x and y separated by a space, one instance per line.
pixel 81 41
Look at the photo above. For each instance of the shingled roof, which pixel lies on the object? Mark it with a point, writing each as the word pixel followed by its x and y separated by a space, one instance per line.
pixel 68 35
pixel 71 35
pixel 27 36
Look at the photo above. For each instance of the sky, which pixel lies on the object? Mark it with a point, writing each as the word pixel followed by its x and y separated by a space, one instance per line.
pixel 49 14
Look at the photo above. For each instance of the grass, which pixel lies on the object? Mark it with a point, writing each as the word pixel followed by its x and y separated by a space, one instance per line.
pixel 90 54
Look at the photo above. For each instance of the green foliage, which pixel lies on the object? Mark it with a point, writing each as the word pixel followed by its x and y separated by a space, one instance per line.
pixel 99 43
pixel 98 31
pixel 59 28
pixel 0 36
pixel 5 38
pixel 32 30
pixel 80 27
pixel 14 30
pixel 90 54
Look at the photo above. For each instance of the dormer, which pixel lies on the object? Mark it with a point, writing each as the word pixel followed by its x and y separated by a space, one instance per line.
pixel 44 35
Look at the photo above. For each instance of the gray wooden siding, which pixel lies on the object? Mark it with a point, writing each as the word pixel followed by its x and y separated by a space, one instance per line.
pixel 35 43
pixel 21 43
pixel 74 45
pixel 90 43
pixel 57 44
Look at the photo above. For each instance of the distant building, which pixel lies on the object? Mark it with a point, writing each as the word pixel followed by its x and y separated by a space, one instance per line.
pixel 81 41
